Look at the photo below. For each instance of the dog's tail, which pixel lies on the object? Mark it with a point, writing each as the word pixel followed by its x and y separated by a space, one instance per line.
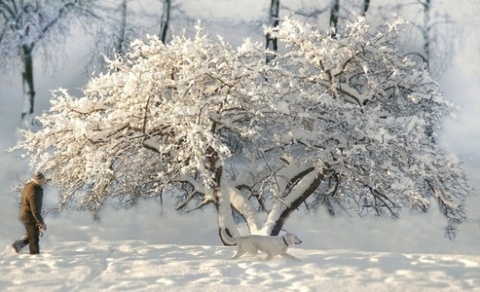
pixel 227 237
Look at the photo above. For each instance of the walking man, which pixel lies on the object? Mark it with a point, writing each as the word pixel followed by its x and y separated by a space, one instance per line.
pixel 30 214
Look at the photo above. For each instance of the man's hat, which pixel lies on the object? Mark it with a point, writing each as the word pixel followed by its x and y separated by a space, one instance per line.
pixel 38 175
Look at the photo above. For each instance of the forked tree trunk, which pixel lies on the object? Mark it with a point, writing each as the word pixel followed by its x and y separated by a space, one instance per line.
pixel 296 203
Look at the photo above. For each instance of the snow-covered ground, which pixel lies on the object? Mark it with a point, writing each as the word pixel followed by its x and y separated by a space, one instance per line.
pixel 144 249
pixel 139 266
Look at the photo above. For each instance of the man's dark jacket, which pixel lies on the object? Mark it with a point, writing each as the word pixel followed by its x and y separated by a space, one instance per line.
pixel 32 198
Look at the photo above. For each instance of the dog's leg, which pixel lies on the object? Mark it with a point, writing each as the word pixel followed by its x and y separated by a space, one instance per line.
pixel 289 256
pixel 268 257
pixel 239 253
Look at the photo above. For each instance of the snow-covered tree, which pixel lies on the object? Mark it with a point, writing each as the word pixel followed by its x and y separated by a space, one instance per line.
pixel 345 124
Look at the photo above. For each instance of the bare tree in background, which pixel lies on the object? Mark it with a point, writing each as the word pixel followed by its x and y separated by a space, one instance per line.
pixel 123 26
pixel 272 42
pixel 438 38
pixel 114 32
pixel 26 25
pixel 122 22
pixel 425 31
pixel 432 35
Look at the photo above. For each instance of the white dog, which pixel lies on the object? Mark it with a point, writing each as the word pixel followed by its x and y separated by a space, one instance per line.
pixel 271 245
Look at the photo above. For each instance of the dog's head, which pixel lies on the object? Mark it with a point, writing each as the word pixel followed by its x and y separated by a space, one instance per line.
pixel 292 238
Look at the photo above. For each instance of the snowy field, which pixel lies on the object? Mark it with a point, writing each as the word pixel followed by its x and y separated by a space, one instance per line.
pixel 139 266
pixel 143 249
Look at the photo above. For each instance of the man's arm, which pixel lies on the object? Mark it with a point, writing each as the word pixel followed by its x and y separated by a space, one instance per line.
pixel 36 208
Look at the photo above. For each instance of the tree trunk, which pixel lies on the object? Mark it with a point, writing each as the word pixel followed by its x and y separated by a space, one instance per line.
pixel 366 3
pixel 165 20
pixel 273 22
pixel 427 5
pixel 123 26
pixel 27 81
pixel 334 17
pixel 277 227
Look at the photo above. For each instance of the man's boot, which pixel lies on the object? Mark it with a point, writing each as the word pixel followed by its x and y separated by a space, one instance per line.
pixel 17 245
